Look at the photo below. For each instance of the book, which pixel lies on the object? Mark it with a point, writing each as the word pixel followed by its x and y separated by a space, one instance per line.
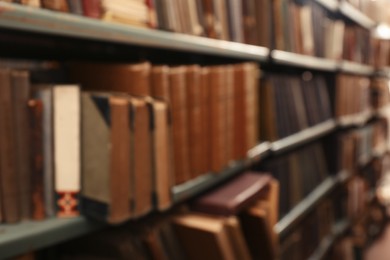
pixel 20 95
pixel 163 179
pixel 142 156
pixel 106 157
pixel 234 196
pixel 66 105
pixel 10 197
pixel 37 160
pixel 179 110
pixel 210 234
pixel 44 93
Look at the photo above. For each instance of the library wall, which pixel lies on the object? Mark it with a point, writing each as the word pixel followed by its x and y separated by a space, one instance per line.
pixel 169 129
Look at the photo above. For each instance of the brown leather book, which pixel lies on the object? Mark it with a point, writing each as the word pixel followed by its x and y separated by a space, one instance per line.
pixel 159 79
pixel 75 7
pixel 239 113
pixel 133 79
pixel 92 8
pixel 20 96
pixel 56 5
pixel 218 122
pixel 179 112
pixel 162 147
pixel 193 81
pixel 257 232
pixel 229 114
pixel 268 125
pixel 35 108
pixel 209 18
pixel 106 160
pixel 237 240
pixel 251 83
pixel 234 196
pixel 142 157
pixel 203 237
pixel 205 114
pixel 10 197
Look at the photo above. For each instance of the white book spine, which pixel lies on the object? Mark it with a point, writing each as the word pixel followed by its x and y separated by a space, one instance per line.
pixel 67 148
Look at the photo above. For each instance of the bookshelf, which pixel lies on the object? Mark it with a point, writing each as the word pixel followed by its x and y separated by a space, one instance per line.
pixel 19 238
pixel 27 236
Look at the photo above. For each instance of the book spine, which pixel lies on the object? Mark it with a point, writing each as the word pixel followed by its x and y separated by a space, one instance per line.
pixel 37 160
pixel 67 149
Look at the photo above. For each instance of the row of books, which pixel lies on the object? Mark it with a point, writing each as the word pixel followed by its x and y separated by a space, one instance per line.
pixel 299 172
pixel 305 28
pixel 357 147
pixel 291 103
pixel 131 134
pixel 352 95
pixel 233 221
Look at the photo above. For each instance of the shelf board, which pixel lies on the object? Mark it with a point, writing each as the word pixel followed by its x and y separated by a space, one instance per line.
pixel 198 185
pixel 305 61
pixel 303 207
pixel 303 136
pixel 18 17
pixel 326 244
pixel 356 68
pixel 355 119
pixel 259 151
pixel 356 15
pixel 331 5
pixel 16 239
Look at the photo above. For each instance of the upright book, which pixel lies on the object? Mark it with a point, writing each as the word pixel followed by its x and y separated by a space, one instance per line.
pixel 66 104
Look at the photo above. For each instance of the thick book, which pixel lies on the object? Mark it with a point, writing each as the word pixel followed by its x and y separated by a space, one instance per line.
pixel 218 120
pixel 257 232
pixel 45 94
pixel 133 79
pixel 234 196
pixel 142 156
pixel 179 112
pixel 37 160
pixel 203 237
pixel 10 197
pixel 92 8
pixel 163 179
pixel 66 105
pixel 106 164
pixel 20 95
pixel 193 81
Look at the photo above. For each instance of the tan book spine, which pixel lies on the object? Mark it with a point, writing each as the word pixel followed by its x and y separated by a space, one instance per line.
pixel 162 167
pixel 217 121
pixel 179 124
pixel 193 81
pixel 120 166
pixel 142 157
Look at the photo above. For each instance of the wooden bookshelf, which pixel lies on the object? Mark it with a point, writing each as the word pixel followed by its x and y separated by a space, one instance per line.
pixel 28 236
